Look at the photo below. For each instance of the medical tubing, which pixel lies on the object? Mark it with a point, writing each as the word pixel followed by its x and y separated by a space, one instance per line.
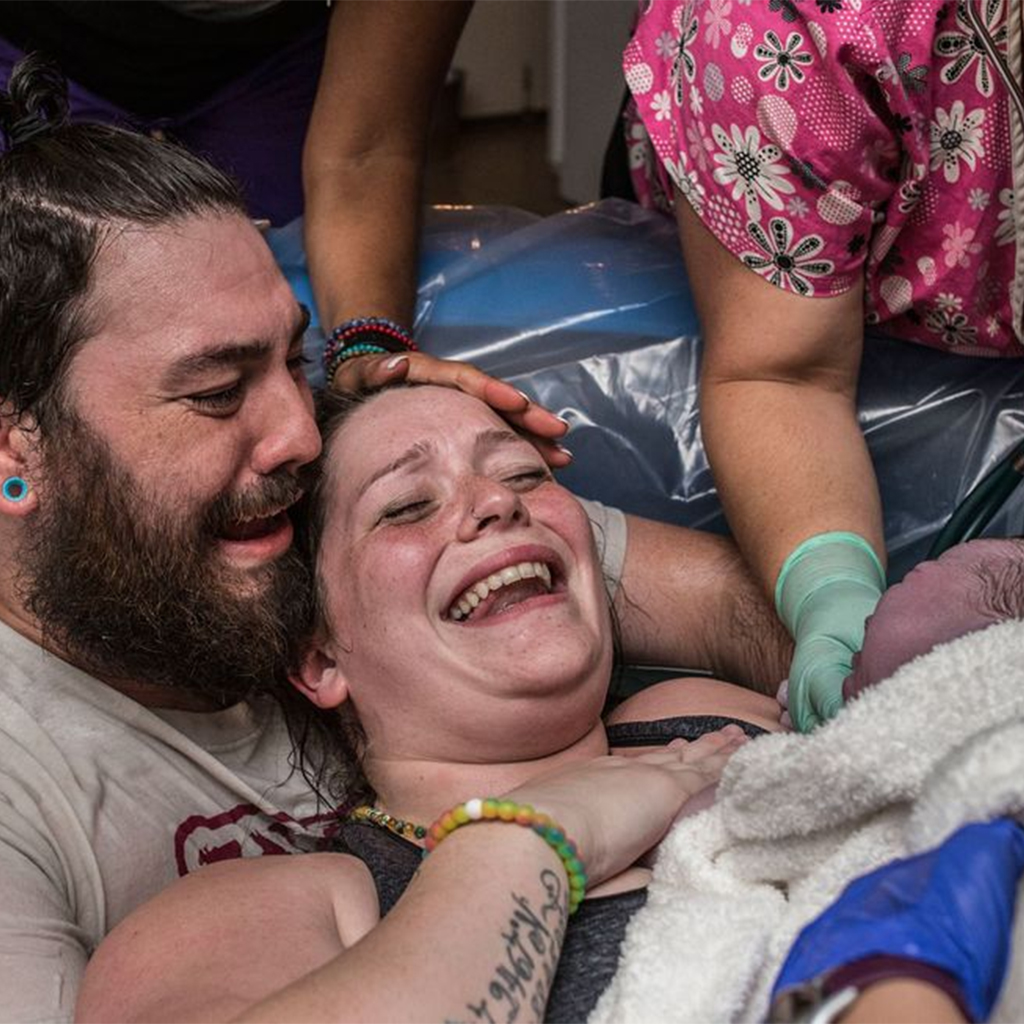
pixel 985 499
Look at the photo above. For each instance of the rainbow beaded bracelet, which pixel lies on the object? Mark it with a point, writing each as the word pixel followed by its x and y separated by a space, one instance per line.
pixel 492 809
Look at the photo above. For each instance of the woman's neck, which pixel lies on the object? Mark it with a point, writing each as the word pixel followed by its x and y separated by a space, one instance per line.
pixel 419 790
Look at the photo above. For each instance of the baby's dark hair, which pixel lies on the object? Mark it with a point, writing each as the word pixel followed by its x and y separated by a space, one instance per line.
pixel 64 189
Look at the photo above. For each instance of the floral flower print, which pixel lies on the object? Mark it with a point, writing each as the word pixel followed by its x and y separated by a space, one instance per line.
pixel 753 170
pixel 661 104
pixel 1005 232
pixel 699 145
pixel 978 199
pixel 805 171
pixel 910 193
pixel 796 207
pixel 952 326
pixel 787 7
pixel 783 63
pixel 717 21
pixel 955 137
pixel 912 79
pixel 959 245
pixel 666 46
pixel 684 66
pixel 964 46
pixel 784 264
pixel 929 158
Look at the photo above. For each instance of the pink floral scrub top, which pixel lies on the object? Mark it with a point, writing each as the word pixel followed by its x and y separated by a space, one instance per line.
pixel 822 139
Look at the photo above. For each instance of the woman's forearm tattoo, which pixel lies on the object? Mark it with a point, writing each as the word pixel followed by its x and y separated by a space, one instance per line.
pixel 522 978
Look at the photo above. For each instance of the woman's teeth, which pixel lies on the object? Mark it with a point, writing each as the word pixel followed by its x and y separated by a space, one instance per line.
pixel 467 602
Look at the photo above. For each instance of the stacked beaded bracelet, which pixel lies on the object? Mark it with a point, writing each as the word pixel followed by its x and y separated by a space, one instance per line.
pixel 365 335
pixel 490 809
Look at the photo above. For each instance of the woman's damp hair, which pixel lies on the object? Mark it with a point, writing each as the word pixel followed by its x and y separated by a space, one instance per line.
pixel 65 189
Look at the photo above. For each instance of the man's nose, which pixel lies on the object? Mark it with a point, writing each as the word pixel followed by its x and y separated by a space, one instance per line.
pixel 289 438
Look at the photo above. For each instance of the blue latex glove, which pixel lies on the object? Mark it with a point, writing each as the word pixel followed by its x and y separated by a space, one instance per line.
pixel 951 907
pixel 826 589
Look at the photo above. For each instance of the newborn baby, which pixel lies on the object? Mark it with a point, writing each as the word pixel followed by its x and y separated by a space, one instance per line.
pixel 968 588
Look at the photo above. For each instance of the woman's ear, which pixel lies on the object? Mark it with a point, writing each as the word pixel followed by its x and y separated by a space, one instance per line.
pixel 320 679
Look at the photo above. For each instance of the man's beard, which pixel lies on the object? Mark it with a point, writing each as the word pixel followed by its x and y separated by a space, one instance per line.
pixel 136 594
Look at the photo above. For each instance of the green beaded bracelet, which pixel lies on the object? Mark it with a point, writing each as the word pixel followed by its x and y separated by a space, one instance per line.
pixel 492 809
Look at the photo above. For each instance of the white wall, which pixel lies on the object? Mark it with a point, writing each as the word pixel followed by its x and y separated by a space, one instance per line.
pixel 563 56
pixel 503 54
pixel 587 39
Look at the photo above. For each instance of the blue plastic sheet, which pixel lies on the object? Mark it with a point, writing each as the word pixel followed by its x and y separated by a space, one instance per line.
pixel 590 312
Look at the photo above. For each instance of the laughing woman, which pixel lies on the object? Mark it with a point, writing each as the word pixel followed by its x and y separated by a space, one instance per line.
pixel 464 630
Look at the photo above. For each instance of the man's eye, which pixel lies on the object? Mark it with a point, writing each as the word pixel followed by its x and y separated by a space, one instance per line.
pixel 298 363
pixel 406 512
pixel 218 401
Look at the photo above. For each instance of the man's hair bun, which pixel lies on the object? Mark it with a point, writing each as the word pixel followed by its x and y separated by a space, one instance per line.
pixel 35 102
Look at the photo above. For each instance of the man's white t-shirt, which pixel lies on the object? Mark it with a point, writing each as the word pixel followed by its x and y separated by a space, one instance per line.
pixel 103 803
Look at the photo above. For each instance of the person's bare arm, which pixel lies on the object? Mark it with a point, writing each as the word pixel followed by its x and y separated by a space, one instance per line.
pixel 365 152
pixel 778 406
pixel 903 1001
pixel 476 935
pixel 687 599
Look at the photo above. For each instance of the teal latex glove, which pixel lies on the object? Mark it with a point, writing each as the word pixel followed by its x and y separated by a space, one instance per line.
pixel 827 587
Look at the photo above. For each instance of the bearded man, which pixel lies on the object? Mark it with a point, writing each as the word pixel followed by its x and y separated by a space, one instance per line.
pixel 154 420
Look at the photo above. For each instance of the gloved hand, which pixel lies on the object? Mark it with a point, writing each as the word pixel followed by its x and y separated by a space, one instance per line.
pixel 826 589
pixel 950 908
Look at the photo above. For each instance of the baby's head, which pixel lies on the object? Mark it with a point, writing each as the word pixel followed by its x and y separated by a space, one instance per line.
pixel 969 588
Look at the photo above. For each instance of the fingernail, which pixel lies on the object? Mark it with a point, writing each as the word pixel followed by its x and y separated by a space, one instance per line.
pixel 565 451
pixel 395 361
pixel 562 419
pixel 524 396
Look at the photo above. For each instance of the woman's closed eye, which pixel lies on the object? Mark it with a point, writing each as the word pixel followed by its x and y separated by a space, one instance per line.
pixel 528 479
pixel 406 511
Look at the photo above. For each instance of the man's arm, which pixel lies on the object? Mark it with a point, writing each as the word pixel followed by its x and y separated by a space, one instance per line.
pixel 365 152
pixel 687 599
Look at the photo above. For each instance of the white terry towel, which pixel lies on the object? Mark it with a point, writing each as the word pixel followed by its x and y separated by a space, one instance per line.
pixel 938 744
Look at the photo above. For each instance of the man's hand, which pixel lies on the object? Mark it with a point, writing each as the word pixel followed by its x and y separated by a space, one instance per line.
pixel 543 427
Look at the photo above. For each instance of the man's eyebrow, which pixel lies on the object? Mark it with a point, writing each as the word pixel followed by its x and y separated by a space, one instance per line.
pixel 231 353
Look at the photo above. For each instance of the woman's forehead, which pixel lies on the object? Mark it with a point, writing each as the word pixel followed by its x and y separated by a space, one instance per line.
pixel 400 428
pixel 397 418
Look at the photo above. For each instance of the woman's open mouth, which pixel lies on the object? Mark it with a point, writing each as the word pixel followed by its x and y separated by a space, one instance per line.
pixel 501 590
